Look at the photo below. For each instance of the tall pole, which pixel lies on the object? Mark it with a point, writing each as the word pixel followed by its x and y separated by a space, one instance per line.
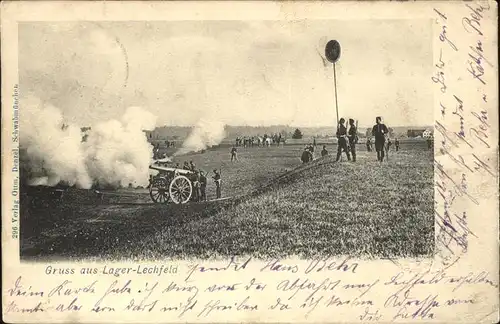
pixel 336 102
pixel 335 86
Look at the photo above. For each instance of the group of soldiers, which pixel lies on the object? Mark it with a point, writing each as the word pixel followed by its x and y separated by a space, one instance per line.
pixel 308 153
pixel 199 180
pixel 348 138
pixel 251 141
pixel 156 149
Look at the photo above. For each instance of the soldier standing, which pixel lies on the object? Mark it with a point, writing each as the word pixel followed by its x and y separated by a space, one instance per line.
pixel 353 138
pixel 396 144
pixel 217 180
pixel 192 166
pixel 368 144
pixel 379 131
pixel 203 186
pixel 324 152
pixel 387 148
pixel 234 154
pixel 196 186
pixel 342 140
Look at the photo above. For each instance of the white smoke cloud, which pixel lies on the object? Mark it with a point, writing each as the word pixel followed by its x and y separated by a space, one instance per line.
pixel 114 152
pixel 207 132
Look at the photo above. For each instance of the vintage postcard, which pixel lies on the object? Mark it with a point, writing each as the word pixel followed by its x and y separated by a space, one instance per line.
pixel 279 162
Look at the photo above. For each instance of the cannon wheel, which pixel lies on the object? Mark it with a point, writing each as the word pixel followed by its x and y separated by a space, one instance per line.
pixel 180 190
pixel 159 191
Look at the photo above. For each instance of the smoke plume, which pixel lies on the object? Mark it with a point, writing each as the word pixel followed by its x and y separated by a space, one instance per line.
pixel 206 133
pixel 113 153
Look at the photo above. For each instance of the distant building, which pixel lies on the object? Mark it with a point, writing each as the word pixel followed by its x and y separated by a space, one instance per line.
pixel 416 132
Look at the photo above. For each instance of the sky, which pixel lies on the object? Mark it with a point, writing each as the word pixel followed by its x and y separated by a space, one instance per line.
pixel 234 72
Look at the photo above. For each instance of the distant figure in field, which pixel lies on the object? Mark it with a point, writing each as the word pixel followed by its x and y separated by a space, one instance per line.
pixel 342 140
pixel 203 186
pixel 396 144
pixel 234 154
pixel 306 155
pixel 387 148
pixel 379 131
pixel 314 141
pixel 217 180
pixel 368 144
pixel 429 142
pixel 324 152
pixel 353 138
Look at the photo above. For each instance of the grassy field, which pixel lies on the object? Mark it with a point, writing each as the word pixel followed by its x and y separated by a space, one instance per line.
pixel 279 208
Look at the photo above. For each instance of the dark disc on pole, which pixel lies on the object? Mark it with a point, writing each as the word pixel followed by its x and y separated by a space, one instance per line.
pixel 332 51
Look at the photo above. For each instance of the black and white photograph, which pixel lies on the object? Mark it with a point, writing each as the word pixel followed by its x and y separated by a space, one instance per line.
pixel 148 140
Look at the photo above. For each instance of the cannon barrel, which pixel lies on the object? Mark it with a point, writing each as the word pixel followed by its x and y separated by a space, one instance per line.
pixel 169 169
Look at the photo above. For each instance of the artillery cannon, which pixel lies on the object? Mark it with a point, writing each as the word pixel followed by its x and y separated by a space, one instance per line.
pixel 171 184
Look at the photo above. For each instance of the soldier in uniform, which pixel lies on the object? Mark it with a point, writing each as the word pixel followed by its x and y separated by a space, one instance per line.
pixel 192 166
pixel 353 138
pixel 186 166
pixel 368 144
pixel 342 140
pixel 196 186
pixel 217 180
pixel 324 152
pixel 379 131
pixel 306 155
pixel 396 144
pixel 203 186
pixel 387 148
pixel 234 154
